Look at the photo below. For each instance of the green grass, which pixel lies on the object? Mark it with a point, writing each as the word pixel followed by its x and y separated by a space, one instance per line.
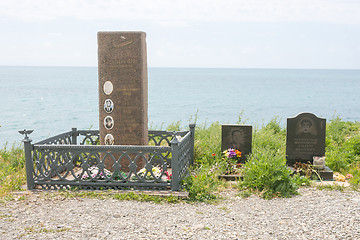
pixel 12 170
pixel 331 187
pixel 129 196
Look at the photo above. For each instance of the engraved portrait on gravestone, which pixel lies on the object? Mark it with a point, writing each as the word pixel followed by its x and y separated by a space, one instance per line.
pixel 109 139
pixel 109 122
pixel 238 137
pixel 305 129
pixel 108 105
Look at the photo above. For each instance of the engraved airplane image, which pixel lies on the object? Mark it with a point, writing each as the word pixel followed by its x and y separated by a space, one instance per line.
pixel 123 44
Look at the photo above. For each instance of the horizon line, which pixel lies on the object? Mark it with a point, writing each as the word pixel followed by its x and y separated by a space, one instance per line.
pixel 250 68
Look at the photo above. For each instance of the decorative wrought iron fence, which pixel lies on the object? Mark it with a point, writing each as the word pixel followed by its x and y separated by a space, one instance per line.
pixel 74 159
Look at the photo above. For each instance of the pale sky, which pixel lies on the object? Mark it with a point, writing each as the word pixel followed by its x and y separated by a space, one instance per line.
pixel 186 33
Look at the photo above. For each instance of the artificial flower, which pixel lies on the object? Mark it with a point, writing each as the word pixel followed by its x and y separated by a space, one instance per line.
pixel 349 176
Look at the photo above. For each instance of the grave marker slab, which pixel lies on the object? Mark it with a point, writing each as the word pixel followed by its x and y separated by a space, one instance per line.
pixel 305 138
pixel 238 137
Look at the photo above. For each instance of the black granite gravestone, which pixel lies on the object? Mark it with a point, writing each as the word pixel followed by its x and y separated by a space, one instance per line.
pixel 237 137
pixel 305 138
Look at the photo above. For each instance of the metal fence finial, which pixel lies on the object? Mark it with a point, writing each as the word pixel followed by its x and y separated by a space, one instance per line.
pixel 26 133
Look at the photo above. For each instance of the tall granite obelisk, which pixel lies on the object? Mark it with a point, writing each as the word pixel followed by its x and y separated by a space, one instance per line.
pixel 123 89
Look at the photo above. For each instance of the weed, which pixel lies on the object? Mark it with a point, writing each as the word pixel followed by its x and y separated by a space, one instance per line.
pixel 301 180
pixel 130 196
pixel 3 215
pixel 267 174
pixel 30 230
pixel 12 170
pixel 342 144
pixel 244 194
pixel 334 186
pixel 225 209
pixel 207 142
pixel 202 183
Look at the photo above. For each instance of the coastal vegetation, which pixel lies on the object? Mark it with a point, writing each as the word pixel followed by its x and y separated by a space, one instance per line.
pixel 12 168
pixel 265 172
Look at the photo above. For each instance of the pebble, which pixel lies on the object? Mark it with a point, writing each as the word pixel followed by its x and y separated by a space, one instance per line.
pixel 314 214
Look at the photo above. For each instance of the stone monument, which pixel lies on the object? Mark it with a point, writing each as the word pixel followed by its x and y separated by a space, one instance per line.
pixel 237 137
pixel 305 140
pixel 123 89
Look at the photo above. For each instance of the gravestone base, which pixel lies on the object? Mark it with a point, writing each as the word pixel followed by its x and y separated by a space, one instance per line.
pixel 325 174
pixel 233 177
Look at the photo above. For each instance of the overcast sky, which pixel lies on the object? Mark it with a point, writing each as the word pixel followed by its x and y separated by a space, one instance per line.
pixel 186 33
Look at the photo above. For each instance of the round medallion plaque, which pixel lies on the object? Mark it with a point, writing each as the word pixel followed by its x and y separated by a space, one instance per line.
pixel 108 105
pixel 109 139
pixel 108 122
pixel 108 87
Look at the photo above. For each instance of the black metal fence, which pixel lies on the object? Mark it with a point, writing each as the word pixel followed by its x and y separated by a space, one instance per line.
pixel 74 159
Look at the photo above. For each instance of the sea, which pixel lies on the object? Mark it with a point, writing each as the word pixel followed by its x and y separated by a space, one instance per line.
pixel 52 100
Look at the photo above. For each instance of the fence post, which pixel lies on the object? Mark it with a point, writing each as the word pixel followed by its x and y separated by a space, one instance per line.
pixel 175 180
pixel 74 136
pixel 29 164
pixel 192 130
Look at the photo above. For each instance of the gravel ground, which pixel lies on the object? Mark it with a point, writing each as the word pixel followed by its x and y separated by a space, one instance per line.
pixel 313 214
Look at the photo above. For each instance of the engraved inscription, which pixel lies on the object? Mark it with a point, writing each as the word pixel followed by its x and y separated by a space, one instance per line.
pixel 305 146
pixel 122 63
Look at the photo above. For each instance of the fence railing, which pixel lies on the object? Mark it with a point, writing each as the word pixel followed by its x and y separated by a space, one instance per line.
pixel 74 159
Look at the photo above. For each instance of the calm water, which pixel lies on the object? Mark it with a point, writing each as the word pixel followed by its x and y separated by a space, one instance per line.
pixel 52 100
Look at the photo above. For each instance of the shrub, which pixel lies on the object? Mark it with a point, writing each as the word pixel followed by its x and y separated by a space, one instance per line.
pixel 202 183
pixel 355 172
pixel 342 144
pixel 337 159
pixel 352 147
pixel 301 180
pixel 266 173
pixel 274 126
pixel 336 131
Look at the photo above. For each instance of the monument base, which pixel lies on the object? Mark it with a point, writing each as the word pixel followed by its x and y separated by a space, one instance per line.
pixel 325 174
pixel 233 177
